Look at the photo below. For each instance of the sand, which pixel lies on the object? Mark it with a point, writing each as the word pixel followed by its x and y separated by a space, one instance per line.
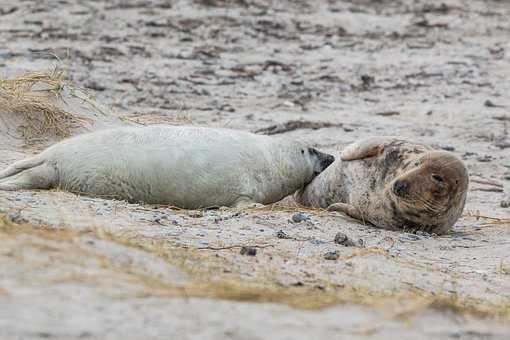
pixel 80 267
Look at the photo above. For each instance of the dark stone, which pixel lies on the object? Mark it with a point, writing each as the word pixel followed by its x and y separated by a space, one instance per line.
pixel 15 217
pixel 332 255
pixel 342 239
pixel 485 158
pixel 300 217
pixel 248 251
pixel 367 80
pixel 281 234
pixel 448 148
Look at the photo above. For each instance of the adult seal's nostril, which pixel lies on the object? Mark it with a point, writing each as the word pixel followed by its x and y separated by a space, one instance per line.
pixel 400 187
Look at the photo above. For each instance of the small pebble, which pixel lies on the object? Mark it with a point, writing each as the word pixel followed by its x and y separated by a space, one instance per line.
pixel 367 80
pixel 16 217
pixel 489 103
pixel 448 148
pixel 331 255
pixel 486 158
pixel 342 239
pixel 196 214
pixel 410 237
pixel 248 251
pixel 502 142
pixel 316 242
pixel 227 108
pixel 281 234
pixel 300 217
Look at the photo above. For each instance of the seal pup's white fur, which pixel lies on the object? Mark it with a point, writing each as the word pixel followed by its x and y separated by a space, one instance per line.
pixel 187 167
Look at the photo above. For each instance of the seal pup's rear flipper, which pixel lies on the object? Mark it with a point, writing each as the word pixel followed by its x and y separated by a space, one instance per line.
pixel 21 165
pixel 368 147
pixel 41 176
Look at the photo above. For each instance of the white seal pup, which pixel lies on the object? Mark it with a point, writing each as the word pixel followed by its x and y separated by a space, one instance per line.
pixel 187 167
pixel 393 184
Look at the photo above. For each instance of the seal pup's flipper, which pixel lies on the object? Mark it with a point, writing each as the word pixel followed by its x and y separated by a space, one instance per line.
pixel 347 209
pixel 21 165
pixel 368 147
pixel 245 202
pixel 41 176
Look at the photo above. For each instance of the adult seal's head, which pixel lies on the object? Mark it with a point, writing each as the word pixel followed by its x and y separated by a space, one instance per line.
pixel 393 184
pixel 430 193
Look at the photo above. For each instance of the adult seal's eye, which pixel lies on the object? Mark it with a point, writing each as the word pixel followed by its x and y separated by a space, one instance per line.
pixel 302 151
pixel 438 178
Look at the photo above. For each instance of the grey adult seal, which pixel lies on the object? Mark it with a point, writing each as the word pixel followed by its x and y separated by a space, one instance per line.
pixel 393 184
pixel 187 167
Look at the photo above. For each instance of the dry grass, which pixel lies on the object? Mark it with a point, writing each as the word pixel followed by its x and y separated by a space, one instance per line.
pixel 491 221
pixel 504 268
pixel 150 119
pixel 34 97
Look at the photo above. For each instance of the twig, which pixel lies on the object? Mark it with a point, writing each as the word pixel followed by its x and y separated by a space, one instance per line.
pixel 236 246
pixel 479 216
pixel 486 182
pixel 295 125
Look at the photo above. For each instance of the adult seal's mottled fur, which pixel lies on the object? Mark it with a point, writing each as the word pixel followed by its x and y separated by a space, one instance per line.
pixel 187 167
pixel 393 184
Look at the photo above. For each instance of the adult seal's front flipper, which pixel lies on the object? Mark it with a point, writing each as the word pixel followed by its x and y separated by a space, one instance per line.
pixel 368 147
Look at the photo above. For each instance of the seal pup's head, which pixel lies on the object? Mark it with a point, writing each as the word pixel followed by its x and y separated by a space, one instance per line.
pixel 304 160
pixel 320 160
pixel 292 165
pixel 430 193
pixel 312 161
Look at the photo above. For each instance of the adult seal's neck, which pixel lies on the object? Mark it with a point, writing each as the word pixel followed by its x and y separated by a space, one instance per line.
pixel 313 194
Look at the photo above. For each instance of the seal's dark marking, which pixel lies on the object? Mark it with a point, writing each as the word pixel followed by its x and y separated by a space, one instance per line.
pixel 393 184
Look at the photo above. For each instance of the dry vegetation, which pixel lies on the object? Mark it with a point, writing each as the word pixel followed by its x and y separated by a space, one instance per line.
pixel 35 96
pixel 209 280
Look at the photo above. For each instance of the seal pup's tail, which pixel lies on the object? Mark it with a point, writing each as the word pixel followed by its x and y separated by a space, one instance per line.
pixel 30 173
